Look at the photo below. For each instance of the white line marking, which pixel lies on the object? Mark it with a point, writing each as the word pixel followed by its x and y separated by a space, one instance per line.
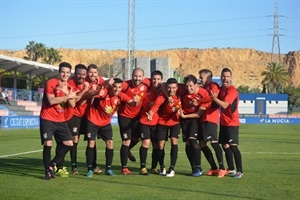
pixel 22 153
pixel 35 151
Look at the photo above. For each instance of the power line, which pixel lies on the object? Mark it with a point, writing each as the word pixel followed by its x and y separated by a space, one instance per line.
pixel 141 27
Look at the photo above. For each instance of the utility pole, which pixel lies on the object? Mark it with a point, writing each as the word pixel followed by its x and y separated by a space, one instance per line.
pixel 275 44
pixel 131 38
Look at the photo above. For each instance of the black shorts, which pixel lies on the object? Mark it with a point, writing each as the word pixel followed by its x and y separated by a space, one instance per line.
pixel 148 132
pixel 189 128
pixel 229 135
pixel 163 132
pixel 101 132
pixel 209 131
pixel 74 125
pixel 83 125
pixel 59 130
pixel 129 128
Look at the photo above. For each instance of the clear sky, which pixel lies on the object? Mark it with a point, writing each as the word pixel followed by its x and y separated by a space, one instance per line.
pixel 160 24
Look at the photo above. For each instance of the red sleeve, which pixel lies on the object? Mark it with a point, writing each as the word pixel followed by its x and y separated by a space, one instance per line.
pixel 147 81
pixel 124 97
pixel 205 97
pixel 158 102
pixel 125 85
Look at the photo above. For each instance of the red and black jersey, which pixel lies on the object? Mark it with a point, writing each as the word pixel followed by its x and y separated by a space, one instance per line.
pixel 188 105
pixel 167 111
pixel 212 113
pixel 79 109
pixel 230 115
pixel 103 108
pixel 138 92
pixel 148 101
pixel 56 112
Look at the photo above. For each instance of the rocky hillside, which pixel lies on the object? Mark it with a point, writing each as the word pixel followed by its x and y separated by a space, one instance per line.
pixel 246 64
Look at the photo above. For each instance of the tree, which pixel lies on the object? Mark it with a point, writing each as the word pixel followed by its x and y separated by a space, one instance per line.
pixel 52 56
pixel 29 50
pixel 275 77
pixel 39 51
pixel 35 51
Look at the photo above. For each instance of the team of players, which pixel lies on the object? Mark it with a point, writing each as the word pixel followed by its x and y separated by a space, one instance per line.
pixel 148 110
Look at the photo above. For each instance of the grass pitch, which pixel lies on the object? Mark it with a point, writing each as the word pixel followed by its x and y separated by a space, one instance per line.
pixel 270 153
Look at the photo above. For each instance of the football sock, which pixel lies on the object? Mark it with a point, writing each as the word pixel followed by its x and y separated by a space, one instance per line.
pixel 189 154
pixel 154 158
pixel 196 152
pixel 89 157
pixel 174 154
pixel 219 154
pixel 95 157
pixel 161 157
pixel 237 158
pixel 143 156
pixel 109 154
pixel 229 158
pixel 124 155
pixel 209 157
pixel 60 154
pixel 73 155
pixel 46 156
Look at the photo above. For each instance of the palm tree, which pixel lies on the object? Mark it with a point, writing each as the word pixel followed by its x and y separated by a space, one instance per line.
pixel 52 56
pixel 30 50
pixel 275 77
pixel 39 51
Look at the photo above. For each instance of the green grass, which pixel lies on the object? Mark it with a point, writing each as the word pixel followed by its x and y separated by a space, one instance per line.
pixel 271 160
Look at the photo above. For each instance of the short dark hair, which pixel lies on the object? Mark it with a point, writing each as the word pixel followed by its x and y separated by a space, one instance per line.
pixel 157 72
pixel 190 78
pixel 226 70
pixel 118 80
pixel 80 66
pixel 92 66
pixel 64 64
pixel 171 81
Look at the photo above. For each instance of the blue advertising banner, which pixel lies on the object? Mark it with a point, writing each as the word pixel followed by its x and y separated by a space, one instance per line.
pixel 29 121
pixel 20 122
pixel 270 120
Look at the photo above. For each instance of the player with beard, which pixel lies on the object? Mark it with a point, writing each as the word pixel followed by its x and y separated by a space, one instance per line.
pixel 79 84
pixel 95 83
pixel 128 115
pixel 228 99
pixel 209 127
pixel 148 127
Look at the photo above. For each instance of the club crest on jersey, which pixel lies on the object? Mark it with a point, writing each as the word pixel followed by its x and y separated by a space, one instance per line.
pixel 142 88
pixel 116 101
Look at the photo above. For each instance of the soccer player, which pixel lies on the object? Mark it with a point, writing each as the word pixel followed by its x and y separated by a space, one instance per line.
pixel 128 115
pixel 52 118
pixel 147 126
pixel 98 125
pixel 228 99
pixel 191 103
pixel 209 127
pixel 168 124
pixel 78 84
pixel 95 83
